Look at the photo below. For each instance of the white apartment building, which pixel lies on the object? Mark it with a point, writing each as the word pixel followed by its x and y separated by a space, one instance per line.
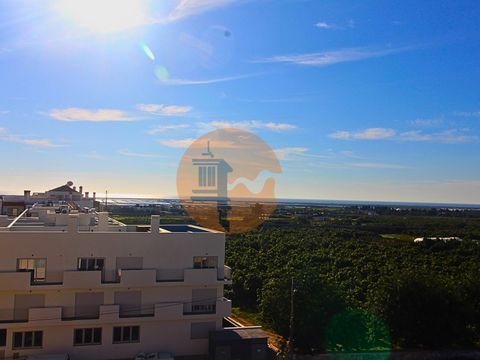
pixel 84 284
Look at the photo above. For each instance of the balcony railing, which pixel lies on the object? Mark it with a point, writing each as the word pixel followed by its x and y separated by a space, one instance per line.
pixel 76 279
pixel 161 311
pixel 227 273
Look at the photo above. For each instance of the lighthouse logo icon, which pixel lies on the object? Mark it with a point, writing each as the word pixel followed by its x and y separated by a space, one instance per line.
pixel 225 180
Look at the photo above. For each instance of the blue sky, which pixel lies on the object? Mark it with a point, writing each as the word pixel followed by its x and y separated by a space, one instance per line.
pixel 367 100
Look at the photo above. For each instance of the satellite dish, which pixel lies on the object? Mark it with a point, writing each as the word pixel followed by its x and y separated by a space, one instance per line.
pixel 70 183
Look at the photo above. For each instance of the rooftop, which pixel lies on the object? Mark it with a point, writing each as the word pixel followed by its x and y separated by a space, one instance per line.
pixel 63 217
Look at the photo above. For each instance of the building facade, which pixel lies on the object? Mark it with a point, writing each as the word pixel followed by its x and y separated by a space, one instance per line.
pixel 84 284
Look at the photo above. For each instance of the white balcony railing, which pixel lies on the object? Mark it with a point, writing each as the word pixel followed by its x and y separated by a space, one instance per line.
pixel 227 273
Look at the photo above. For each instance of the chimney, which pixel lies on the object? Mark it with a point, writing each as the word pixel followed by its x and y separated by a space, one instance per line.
pixel 155 224
pixel 72 225
pixel 94 194
pixel 74 188
pixel 26 195
pixel 103 221
pixel 80 189
pixel 86 194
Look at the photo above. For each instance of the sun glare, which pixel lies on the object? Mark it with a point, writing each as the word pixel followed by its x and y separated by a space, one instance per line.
pixel 104 16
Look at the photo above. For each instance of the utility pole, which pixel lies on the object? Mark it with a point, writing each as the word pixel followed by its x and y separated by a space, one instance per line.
pixel 106 200
pixel 290 336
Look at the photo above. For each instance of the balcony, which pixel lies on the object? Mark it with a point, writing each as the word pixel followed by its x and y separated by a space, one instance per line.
pixel 168 311
pixel 109 312
pixel 82 279
pixel 219 308
pixel 227 273
pixel 200 276
pixel 15 280
pixel 224 307
pixel 47 315
pixel 138 277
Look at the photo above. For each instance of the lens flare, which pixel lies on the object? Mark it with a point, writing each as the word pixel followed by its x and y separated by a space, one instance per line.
pixel 104 16
pixel 148 51
pixel 161 73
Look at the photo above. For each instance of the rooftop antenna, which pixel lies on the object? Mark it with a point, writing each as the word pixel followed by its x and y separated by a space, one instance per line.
pixel 208 153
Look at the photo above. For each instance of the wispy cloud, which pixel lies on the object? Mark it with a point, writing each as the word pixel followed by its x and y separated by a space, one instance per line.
pixel 41 143
pixel 165 128
pixel 467 113
pixel 98 115
pixel 4 112
pixel 126 152
pixel 288 153
pixel 301 156
pixel 333 57
pixel 180 82
pixel 373 165
pixel 164 110
pixel 93 155
pixel 367 134
pixel 325 25
pixel 250 125
pixel 298 153
pixel 177 143
pixel 186 8
pixel 427 122
pixel 452 136
pixel 5 135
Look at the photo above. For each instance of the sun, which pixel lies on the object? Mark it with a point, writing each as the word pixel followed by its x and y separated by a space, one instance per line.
pixel 104 16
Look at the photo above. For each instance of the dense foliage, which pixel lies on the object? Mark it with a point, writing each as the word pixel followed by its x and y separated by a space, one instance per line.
pixel 358 290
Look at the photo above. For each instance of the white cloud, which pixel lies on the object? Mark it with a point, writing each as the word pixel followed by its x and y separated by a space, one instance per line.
pixel 427 122
pixel 467 113
pixel 370 165
pixel 367 134
pixel 99 115
pixel 187 8
pixel 126 152
pixel 41 143
pixel 180 82
pixel 451 136
pixel 179 143
pixel 251 124
pixel 93 155
pixel 5 135
pixel 288 152
pixel 415 136
pixel 332 57
pixel 164 110
pixel 325 25
pixel 164 128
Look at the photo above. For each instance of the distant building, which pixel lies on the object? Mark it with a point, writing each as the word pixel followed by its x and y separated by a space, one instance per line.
pixel 13 205
pixel 444 239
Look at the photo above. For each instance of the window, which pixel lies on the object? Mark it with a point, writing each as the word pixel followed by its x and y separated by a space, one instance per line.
pixel 37 266
pixel 87 336
pixel 202 176
pixel 126 334
pixel 206 176
pixel 3 337
pixel 205 262
pixel 90 264
pixel 27 339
